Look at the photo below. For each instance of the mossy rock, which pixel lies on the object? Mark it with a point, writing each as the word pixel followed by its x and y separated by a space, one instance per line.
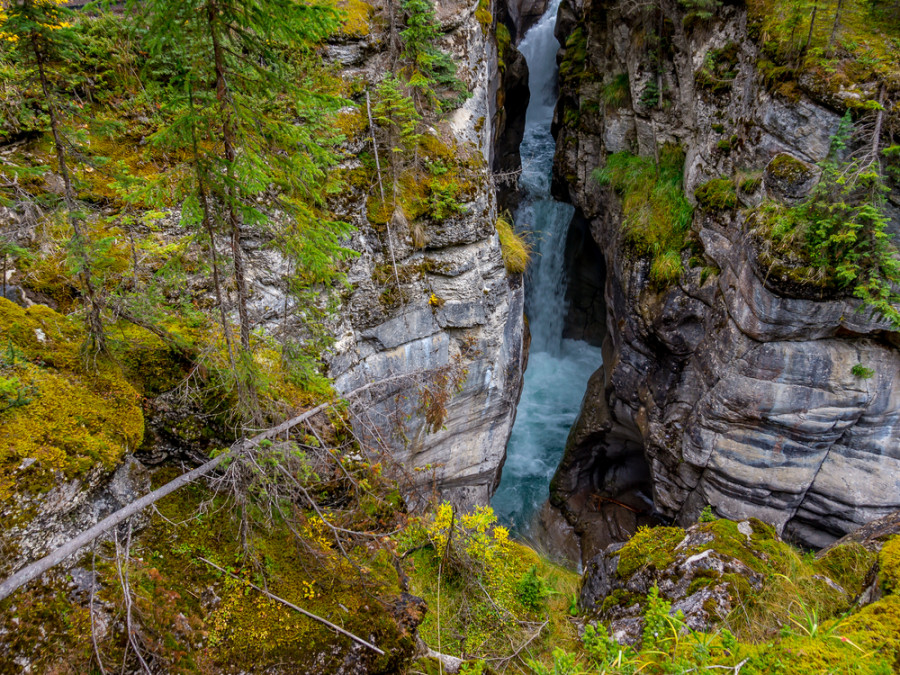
pixel 649 547
pixel 77 417
pixel 889 561
pixel 789 179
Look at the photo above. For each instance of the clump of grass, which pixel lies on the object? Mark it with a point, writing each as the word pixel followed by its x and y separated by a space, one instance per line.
pixel 717 194
pixel 515 249
pixel 616 92
pixel 657 213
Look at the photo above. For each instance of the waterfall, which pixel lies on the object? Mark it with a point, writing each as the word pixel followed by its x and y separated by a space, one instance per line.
pixel 558 370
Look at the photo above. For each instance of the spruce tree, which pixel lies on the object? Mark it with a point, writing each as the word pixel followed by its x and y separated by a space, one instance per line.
pixel 255 143
pixel 41 38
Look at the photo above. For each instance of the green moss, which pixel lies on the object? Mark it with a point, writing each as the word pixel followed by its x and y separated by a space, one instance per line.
pixel 649 547
pixel 788 169
pixel 657 216
pixel 79 417
pixel 572 66
pixel 848 565
pixel 889 563
pixel 483 14
pixel 619 598
pixel 717 194
pixel 719 69
pixel 726 145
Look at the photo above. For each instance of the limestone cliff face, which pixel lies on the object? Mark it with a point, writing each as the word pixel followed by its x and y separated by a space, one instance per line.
pixel 458 318
pixel 735 384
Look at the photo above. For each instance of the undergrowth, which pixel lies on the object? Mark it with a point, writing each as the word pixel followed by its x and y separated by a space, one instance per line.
pixel 657 215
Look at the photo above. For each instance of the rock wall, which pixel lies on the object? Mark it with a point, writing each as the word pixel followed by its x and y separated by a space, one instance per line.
pixel 459 315
pixel 733 387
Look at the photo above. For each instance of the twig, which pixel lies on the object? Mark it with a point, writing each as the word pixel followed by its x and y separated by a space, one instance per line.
pixel 126 592
pixel 93 628
pixel 272 596
pixel 523 645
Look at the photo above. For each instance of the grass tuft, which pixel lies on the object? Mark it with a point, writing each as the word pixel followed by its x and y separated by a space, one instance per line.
pixel 515 249
pixel 657 214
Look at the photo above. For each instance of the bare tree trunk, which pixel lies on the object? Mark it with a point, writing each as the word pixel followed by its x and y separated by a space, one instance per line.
pixel 228 141
pixel 95 321
pixel 836 24
pixel 812 23
pixel 381 189
pixel 208 226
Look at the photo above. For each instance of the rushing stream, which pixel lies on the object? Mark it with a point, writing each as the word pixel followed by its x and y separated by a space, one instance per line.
pixel 558 370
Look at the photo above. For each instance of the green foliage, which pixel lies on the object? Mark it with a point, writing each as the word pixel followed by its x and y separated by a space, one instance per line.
pixel 650 96
pixel 662 629
pixel 531 590
pixel 657 215
pixel 701 10
pixel 843 226
pixel 491 589
pixel 719 69
pixel 707 515
pixel 862 372
pixel 616 91
pixel 718 194
pixel 429 70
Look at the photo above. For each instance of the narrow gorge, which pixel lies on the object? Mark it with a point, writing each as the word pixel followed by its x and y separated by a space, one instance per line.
pixel 459 336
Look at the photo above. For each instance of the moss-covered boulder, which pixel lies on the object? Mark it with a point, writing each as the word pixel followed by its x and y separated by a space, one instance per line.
pixel 711 570
pixel 789 179
pixel 66 423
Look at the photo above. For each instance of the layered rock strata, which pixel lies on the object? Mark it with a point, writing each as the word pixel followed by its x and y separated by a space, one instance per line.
pixel 456 328
pixel 734 386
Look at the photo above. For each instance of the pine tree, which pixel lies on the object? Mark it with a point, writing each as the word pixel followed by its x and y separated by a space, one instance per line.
pixel 256 144
pixel 41 35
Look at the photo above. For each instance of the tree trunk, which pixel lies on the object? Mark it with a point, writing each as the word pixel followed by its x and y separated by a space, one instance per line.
pixel 836 24
pixel 228 141
pixel 812 23
pixel 95 321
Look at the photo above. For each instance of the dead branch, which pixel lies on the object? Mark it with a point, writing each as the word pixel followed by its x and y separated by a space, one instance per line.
pixel 122 571
pixel 312 616
pixel 71 547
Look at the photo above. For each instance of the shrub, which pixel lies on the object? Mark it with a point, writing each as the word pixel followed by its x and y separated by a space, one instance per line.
pixel 531 590
pixel 516 251
pixel 862 371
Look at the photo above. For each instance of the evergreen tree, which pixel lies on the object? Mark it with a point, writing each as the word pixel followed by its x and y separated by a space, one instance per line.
pixel 41 36
pixel 255 143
